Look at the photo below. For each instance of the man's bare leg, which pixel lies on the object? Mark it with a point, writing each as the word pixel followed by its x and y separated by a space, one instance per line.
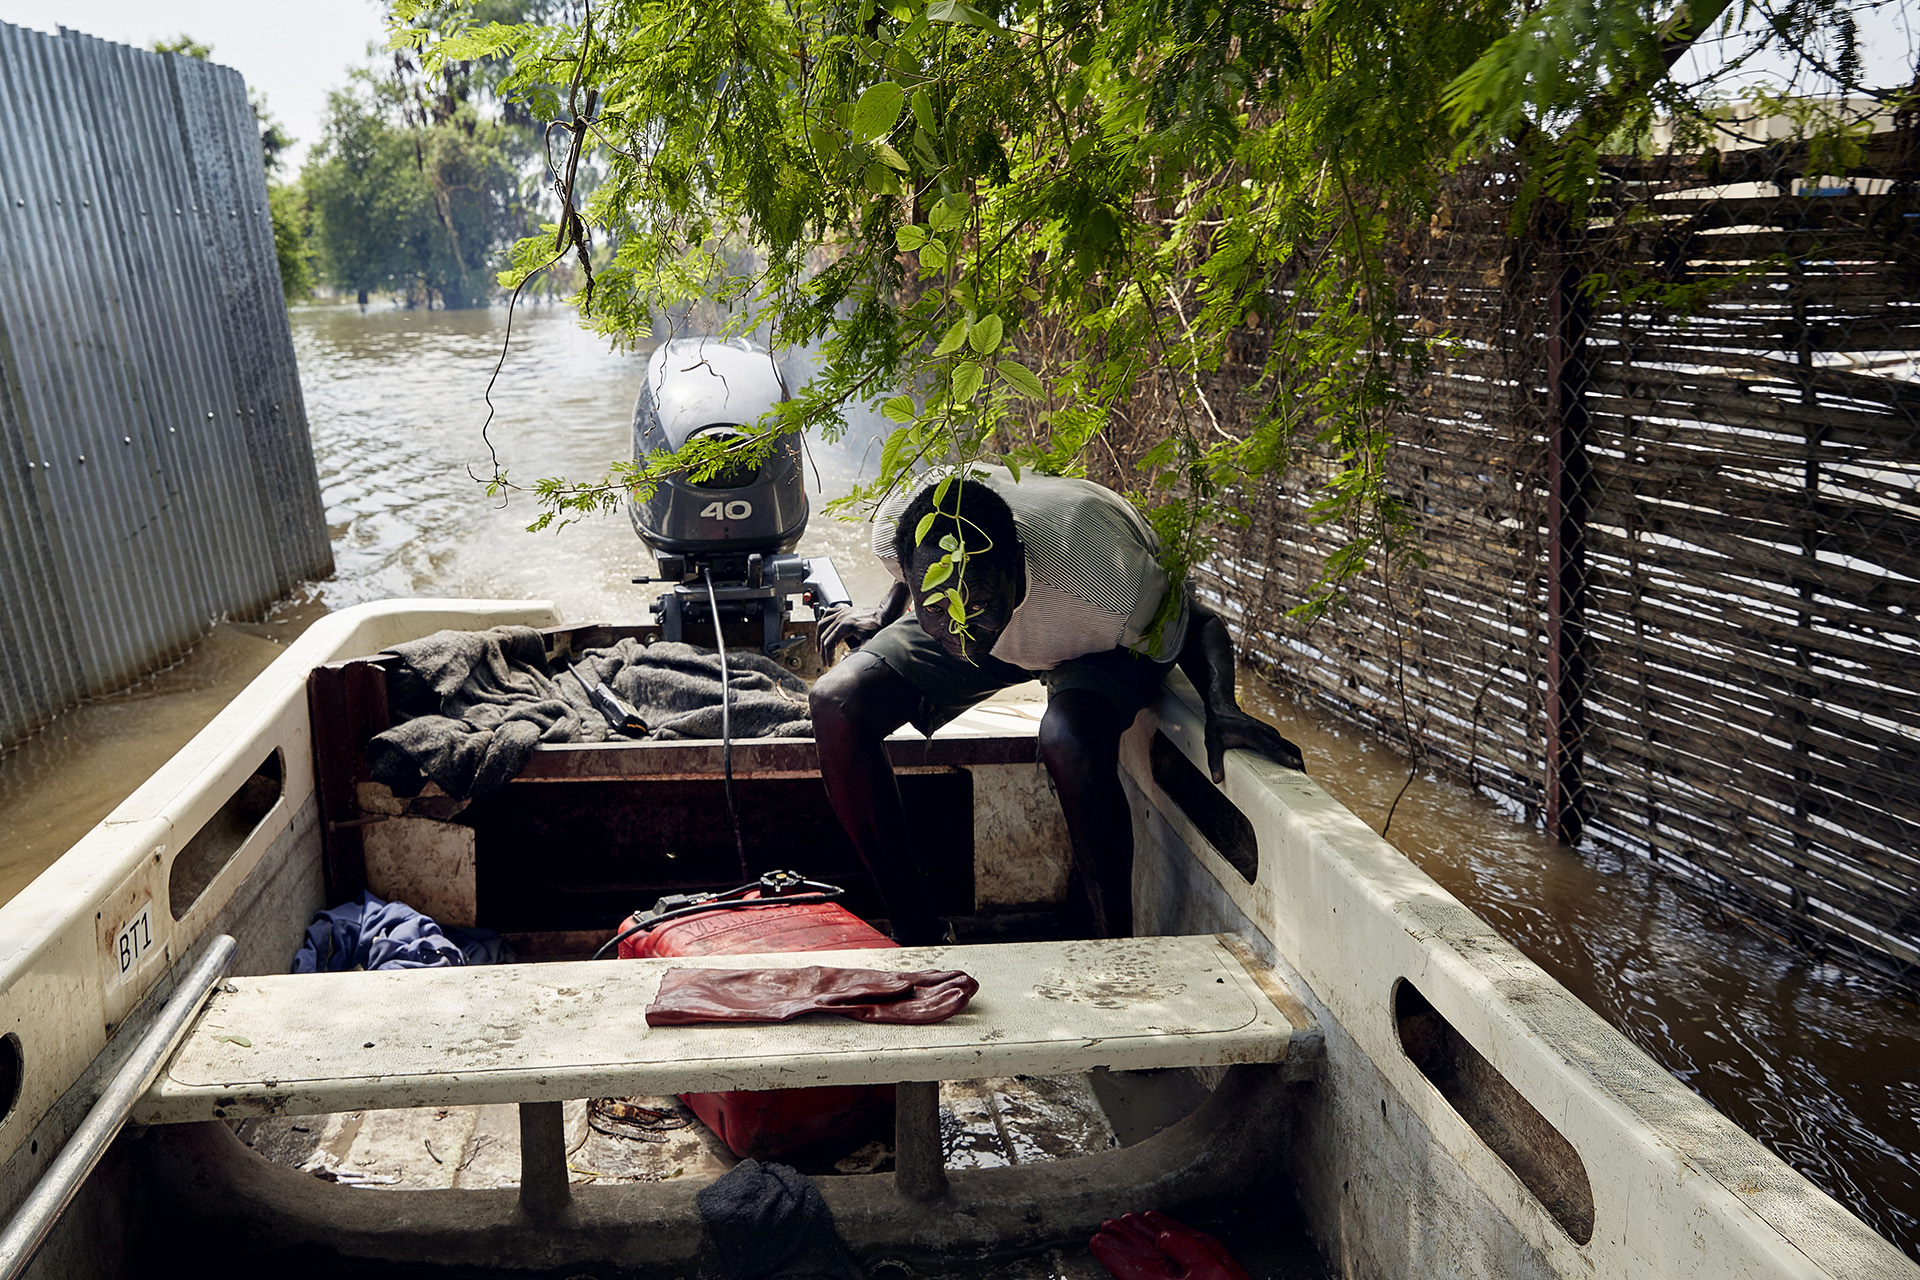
pixel 856 704
pixel 1080 745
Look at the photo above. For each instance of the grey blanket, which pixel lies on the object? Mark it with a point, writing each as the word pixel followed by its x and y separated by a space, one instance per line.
pixel 472 705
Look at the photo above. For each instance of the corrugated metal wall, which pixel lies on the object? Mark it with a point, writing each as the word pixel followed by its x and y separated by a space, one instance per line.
pixel 155 469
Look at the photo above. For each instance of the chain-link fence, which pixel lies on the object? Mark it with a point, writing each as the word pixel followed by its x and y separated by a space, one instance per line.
pixel 1446 660
pixel 1666 472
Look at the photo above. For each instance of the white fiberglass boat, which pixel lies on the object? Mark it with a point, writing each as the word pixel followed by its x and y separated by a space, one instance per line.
pixel 1366 1067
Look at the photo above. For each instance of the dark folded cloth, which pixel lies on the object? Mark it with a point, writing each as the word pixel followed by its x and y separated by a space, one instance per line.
pixel 769 1222
pixel 774 995
pixel 470 706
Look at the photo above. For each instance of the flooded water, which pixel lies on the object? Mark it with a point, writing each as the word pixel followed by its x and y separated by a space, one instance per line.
pixel 395 401
pixel 1823 1068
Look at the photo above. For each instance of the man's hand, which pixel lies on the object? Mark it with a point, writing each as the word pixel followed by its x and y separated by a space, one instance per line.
pixel 1152 1246
pixel 849 626
pixel 1231 727
pixel 854 627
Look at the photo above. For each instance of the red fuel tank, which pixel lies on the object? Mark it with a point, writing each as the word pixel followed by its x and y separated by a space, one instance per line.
pixel 778 1122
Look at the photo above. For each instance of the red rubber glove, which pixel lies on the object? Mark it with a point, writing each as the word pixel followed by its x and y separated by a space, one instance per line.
pixel 1152 1246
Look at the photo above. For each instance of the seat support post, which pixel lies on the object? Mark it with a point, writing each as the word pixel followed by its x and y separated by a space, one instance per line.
pixel 919 1156
pixel 544 1192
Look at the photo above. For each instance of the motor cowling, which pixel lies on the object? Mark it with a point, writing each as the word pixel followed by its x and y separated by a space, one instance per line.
pixel 709 387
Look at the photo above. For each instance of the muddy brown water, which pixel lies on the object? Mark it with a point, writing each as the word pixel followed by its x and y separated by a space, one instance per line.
pixel 1821 1066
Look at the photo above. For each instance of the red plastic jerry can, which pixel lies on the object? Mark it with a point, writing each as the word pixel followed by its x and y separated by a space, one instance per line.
pixel 769 1123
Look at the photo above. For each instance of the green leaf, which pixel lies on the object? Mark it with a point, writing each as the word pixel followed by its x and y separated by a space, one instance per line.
pixel 948 214
pixel 940 490
pixel 881 180
pixel 827 143
pixel 954 337
pixel 878 108
pixel 934 256
pixel 1081 51
pixel 923 147
pixel 937 572
pixel 1082 147
pixel 956 609
pixel 1021 379
pixel 910 237
pixel 923 111
pixel 921 530
pixel 985 335
pixel 889 157
pixel 949 543
pixel 1076 91
pixel 1013 467
pixel 890 452
pixel 967 377
pixel 900 408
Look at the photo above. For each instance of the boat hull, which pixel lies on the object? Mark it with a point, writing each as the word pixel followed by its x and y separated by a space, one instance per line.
pixel 1458 1078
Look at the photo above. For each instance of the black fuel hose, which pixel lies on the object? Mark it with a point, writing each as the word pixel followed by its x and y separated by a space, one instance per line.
pixel 728 901
pixel 726 723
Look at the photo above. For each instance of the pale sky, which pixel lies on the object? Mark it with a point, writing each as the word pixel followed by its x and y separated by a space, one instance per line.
pixel 292 53
pixel 1889 36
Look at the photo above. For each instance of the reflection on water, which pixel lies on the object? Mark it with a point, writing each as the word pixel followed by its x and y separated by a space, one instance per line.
pixel 57 784
pixel 395 399
pixel 1824 1069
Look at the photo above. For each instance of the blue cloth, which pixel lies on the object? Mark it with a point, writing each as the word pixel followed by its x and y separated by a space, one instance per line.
pixel 376 934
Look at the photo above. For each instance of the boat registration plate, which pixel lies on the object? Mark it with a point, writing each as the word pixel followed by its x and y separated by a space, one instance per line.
pixel 133 942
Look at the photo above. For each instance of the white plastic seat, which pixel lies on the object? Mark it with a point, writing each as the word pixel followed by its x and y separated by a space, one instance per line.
pixel 315 1043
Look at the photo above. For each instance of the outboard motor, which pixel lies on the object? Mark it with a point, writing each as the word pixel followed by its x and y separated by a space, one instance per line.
pixel 737 530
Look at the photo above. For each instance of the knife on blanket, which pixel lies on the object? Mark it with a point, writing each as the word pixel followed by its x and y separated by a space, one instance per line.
pixel 620 717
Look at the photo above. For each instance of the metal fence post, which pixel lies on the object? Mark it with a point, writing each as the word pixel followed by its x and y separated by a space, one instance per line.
pixel 1569 475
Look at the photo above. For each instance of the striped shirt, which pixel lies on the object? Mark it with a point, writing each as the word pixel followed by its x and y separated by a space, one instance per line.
pixel 1094 580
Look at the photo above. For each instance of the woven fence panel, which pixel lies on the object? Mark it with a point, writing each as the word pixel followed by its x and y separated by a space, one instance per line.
pixel 1708 652
pixel 1448 659
pixel 1753 554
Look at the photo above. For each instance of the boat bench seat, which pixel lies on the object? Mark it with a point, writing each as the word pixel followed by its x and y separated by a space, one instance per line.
pixel 304 1044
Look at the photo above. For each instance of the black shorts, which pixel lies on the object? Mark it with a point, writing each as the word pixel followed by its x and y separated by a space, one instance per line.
pixel 948 685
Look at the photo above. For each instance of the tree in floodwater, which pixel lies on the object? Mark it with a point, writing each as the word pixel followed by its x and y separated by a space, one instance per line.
pixel 412 193
pixel 998 217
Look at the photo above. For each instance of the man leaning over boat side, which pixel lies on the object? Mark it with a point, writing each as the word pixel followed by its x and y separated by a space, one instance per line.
pixel 1062 583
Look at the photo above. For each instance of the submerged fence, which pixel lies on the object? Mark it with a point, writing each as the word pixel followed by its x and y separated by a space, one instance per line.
pixel 1671 605
pixel 155 469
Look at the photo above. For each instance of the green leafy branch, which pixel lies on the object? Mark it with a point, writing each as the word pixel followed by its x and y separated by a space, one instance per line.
pixel 1012 225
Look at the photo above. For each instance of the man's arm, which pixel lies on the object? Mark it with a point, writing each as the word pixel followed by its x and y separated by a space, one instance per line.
pixel 854 627
pixel 1207 659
